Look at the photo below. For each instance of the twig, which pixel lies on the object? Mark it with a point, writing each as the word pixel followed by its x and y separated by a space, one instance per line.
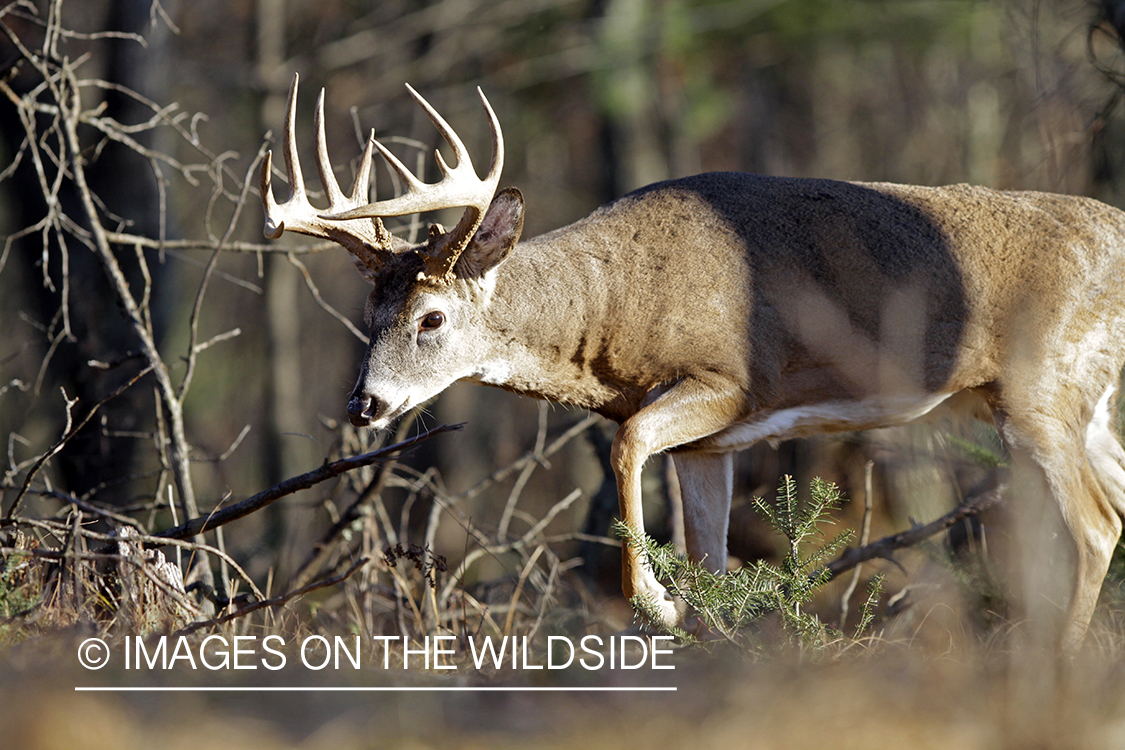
pixel 275 601
pixel 289 486
pixel 547 596
pixel 531 456
pixel 197 307
pixel 230 246
pixel 89 507
pixel 527 568
pixel 66 438
pixel 864 538
pixel 525 474
pixel 232 333
pixel 970 506
pixel 315 292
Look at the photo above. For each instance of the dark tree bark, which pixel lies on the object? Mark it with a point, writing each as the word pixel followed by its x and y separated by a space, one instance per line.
pixel 98 355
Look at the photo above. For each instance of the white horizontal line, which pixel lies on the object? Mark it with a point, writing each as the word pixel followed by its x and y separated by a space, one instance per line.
pixel 291 689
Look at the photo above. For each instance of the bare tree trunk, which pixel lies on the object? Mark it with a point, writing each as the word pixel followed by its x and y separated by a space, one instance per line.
pixel 283 323
pixel 629 96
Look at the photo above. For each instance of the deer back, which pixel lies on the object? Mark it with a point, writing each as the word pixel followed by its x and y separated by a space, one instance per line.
pixel 799 289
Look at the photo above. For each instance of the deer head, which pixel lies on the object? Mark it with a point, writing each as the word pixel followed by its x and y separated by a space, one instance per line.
pixel 424 309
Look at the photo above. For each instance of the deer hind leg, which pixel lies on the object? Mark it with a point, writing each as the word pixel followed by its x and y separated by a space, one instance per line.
pixel 693 408
pixel 706 486
pixel 1083 471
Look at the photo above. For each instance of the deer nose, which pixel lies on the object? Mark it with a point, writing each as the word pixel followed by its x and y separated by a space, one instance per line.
pixel 363 409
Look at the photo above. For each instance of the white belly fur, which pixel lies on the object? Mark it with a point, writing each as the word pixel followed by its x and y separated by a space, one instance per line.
pixel 838 416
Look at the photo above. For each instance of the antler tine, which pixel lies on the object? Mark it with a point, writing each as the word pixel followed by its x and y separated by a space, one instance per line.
pixel 415 192
pixel 364 238
pixel 275 215
pixel 271 230
pixel 459 186
pixel 289 144
pixel 460 153
pixel 497 165
pixel 323 165
pixel 363 174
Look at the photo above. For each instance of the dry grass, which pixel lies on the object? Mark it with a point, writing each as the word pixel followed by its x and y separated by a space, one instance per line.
pixel 892 696
pixel 928 680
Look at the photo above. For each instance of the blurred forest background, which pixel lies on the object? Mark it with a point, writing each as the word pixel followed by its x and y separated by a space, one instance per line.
pixel 596 97
pixel 160 360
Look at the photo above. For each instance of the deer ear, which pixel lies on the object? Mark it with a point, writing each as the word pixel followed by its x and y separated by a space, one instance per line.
pixel 364 270
pixel 497 234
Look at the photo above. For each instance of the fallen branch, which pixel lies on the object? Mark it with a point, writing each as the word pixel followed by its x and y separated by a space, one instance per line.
pixel 372 494
pixel 301 482
pixel 275 601
pixel 972 505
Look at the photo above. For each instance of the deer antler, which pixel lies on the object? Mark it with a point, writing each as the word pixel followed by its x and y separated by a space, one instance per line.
pixel 363 237
pixel 459 186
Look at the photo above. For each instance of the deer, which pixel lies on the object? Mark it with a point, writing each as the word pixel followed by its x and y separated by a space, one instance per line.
pixel 707 313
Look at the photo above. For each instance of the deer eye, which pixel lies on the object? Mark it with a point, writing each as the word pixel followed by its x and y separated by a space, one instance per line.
pixel 432 321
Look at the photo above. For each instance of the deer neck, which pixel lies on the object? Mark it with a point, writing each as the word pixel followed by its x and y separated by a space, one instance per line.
pixel 544 325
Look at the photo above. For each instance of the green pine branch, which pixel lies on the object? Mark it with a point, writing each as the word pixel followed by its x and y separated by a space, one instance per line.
pixel 728 604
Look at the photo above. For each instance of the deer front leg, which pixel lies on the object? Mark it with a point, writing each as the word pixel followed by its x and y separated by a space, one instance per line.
pixel 692 409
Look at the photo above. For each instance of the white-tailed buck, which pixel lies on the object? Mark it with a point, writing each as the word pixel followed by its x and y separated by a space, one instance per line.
pixel 708 313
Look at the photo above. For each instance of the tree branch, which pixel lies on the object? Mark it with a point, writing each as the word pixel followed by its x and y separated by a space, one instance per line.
pixel 277 600
pixel 66 437
pixel 972 505
pixel 301 482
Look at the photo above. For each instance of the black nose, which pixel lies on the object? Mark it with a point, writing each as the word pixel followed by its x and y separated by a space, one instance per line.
pixel 364 409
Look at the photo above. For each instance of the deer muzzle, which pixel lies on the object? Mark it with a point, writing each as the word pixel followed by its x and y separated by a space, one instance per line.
pixel 364 409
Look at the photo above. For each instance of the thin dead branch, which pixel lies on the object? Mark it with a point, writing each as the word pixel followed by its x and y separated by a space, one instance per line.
pixel 70 433
pixel 884 548
pixel 277 600
pixel 256 502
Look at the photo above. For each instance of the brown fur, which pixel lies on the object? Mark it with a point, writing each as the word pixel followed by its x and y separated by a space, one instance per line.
pixel 697 304
pixel 707 313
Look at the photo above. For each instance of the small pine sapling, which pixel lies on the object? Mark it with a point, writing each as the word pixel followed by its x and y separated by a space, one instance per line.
pixel 726 604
